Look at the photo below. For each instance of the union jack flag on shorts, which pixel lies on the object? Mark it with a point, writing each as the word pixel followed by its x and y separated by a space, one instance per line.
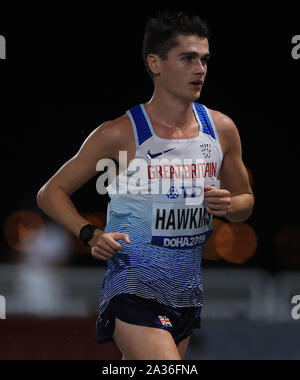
pixel 165 321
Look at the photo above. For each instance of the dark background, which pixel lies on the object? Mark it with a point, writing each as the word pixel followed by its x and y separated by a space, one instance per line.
pixel 70 68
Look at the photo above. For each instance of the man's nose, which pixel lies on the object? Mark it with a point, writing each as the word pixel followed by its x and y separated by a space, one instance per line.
pixel 200 67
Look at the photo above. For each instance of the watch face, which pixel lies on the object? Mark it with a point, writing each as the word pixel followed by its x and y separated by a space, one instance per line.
pixel 90 232
pixel 87 233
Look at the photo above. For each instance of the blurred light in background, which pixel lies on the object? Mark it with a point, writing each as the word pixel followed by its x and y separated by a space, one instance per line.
pixel 43 248
pixel 52 248
pixel 236 242
pixel 23 229
pixel 210 249
pixel 233 242
pixel 41 289
pixel 287 247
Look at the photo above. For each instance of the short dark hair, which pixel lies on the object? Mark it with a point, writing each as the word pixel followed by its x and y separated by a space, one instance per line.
pixel 161 33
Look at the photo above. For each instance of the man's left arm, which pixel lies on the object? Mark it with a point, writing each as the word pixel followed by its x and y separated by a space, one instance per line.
pixel 235 199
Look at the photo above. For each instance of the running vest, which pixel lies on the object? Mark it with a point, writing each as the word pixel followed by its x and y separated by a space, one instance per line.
pixel 159 202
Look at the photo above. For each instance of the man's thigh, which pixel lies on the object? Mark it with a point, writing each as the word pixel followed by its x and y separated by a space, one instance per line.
pixel 182 346
pixel 144 343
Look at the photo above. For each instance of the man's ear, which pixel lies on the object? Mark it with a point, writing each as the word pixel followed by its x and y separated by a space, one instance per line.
pixel 153 61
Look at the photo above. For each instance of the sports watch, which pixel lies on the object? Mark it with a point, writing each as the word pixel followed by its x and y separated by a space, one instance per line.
pixel 86 233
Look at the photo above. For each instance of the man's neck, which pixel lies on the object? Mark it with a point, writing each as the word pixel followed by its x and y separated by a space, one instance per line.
pixel 169 111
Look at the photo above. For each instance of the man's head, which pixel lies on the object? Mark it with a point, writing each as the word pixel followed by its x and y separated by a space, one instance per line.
pixel 176 50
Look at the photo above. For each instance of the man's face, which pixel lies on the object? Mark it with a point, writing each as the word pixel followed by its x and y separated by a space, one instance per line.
pixel 183 73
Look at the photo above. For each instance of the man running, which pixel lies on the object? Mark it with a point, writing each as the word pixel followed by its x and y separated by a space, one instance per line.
pixel 151 296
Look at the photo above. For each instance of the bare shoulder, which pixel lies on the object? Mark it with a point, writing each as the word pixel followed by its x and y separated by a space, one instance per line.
pixel 117 132
pixel 108 139
pixel 223 122
pixel 226 128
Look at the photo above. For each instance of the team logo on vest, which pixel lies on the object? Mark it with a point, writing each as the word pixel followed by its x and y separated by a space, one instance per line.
pixel 205 150
pixel 173 193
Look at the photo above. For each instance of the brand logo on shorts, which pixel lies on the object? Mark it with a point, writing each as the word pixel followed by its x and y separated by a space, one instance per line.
pixel 165 321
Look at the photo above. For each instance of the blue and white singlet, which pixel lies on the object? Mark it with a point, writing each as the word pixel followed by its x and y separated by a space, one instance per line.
pixel 158 201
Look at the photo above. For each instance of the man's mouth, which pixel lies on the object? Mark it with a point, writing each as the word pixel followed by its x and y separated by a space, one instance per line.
pixel 197 83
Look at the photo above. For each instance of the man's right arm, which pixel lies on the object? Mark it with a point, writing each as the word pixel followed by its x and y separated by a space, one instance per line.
pixel 54 197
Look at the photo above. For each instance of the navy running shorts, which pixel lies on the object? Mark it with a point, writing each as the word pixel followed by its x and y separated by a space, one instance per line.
pixel 179 321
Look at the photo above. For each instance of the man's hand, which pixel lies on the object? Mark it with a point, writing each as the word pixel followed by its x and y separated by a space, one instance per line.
pixel 104 244
pixel 218 201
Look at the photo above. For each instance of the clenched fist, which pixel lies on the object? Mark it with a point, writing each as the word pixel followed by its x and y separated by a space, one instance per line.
pixel 218 201
pixel 104 244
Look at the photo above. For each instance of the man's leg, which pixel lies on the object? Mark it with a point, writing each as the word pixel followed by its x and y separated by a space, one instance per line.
pixel 144 343
pixel 182 346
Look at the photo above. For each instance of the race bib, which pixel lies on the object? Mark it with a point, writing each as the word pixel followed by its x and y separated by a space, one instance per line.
pixel 179 218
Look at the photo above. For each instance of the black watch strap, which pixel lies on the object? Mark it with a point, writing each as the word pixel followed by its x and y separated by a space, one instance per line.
pixel 86 233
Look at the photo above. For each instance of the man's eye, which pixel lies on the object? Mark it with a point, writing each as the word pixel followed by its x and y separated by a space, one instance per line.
pixel 189 58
